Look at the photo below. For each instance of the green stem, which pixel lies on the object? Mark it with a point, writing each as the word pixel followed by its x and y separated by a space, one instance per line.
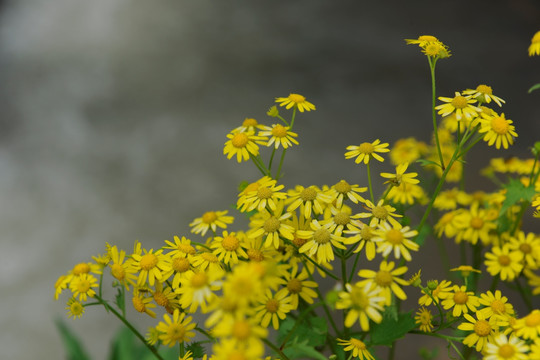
pixel 298 322
pixel 205 333
pixel 369 184
pixel 280 164
pixel 433 112
pixel 343 268
pixel 354 266
pixel 256 162
pixel 276 349
pixel 322 269
pixel 271 160
pixel 130 327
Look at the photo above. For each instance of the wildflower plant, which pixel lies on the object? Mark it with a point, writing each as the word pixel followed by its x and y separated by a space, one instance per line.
pixel 254 293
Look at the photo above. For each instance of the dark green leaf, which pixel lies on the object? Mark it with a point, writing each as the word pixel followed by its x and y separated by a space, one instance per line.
pixel 516 192
pixel 196 349
pixel 123 345
pixel 302 350
pixel 72 344
pixel 389 330
pixel 424 162
pixel 313 330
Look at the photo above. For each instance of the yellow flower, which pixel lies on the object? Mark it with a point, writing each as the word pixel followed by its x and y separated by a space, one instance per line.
pixel 407 150
pixel 211 220
pixel 228 349
pixel 279 135
pixel 379 214
pixel 248 125
pixel 260 195
pixel 495 304
pixel 529 246
pixel 423 318
pixel 320 241
pixel 82 285
pixel 358 348
pixel 365 151
pixel 534 48
pixel 75 308
pixel 451 223
pixel 498 129
pixel 533 281
pixel 142 303
pixel 502 348
pixel 396 239
pixel 198 289
pixel 242 330
pixel 478 226
pixel 120 270
pixel 388 279
pixel 482 330
pixel 460 105
pixel 243 145
pixel 273 308
pixel 364 234
pixel 297 101
pixel 528 327
pixel 460 300
pixel 450 198
pixel 176 330
pixel 406 194
pixel 466 270
pixel 272 226
pixel 484 94
pixel 151 266
pixel 229 247
pixel 364 303
pixel 309 199
pixel 400 176
pixel 441 292
pixel 422 40
pixel 504 262
pixel 180 247
pixel 297 285
pixel 343 191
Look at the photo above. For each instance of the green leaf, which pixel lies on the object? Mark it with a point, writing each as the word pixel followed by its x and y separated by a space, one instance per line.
pixel 534 87
pixel 121 300
pixel 123 345
pixel 516 192
pixel 420 239
pixel 197 350
pixel 313 330
pixel 302 350
pixel 389 330
pixel 72 343
pixel 428 354
pixel 424 162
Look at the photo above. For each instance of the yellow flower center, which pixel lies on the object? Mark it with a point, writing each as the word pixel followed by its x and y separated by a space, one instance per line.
pixel 366 148
pixel 425 317
pixel 138 304
pixel 504 260
pixel 499 125
pixel 498 307
pixel 506 351
pixel 525 248
pixel 264 193
pixel 271 225
pixel 272 306
pixel 241 330
pixel 83 286
pixel 321 236
pixel 176 332
pixel 380 212
pixel 180 265
pixel 250 122
pixel 432 49
pixel 81 268
pixel 188 249
pixel 148 261
pixel 255 255
pixel 342 218
pixel 118 271
pixel 357 344
pixel 461 297
pixel 209 217
pixel 208 256
pixel 342 187
pixel 366 233
pixel 299 242
pixel 383 278
pixel 296 98
pixel 199 280
pixel 230 243
pixel 279 131
pixel 294 286
pixel 484 89
pixel 161 299
pixel 459 102
pixel 394 237
pixel 477 223
pixel 240 140
pixel 76 308
pixel 308 194
pixel 359 299
pixel 533 319
pixel 482 328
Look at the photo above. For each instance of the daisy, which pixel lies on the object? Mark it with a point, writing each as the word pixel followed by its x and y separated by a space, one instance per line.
pixel 388 279
pixel 406 194
pixel 379 214
pixel 451 223
pixel 441 292
pixel 358 348
pixel 364 303
pixel 422 40
pixel 120 270
pixel 364 234
pixel 528 327
pixel 407 150
pixel 498 129
pixel 263 194
pixel 343 191
pixel 461 301
pixel 396 239
pixel 308 199
pixel 181 267
pixel 460 105
pixel 198 289
pixel 180 247
pixel 228 349
pixel 142 303
pixel 211 220
pixel 495 304
pixel 243 145
pixel 502 348
pixel 248 125
pixel 75 308
pixel 482 330
pixel 297 286
pixel 529 246
pixel 165 296
pixel 449 199
pixel 228 247
pixel 297 101
pixel 484 94
pixel 151 266
pixel 242 330
pixel 273 307
pixel 279 135
pixel 339 220
pixel 365 151
pixel 478 226
pixel 424 318
pixel 504 262
pixel 272 226
pixel 400 176
pixel 82 286
pixel 534 48
pixel 176 330
pixel 320 242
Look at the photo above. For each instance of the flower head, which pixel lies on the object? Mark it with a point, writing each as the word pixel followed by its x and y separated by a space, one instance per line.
pixel 243 145
pixel 460 105
pixel 534 48
pixel 484 94
pixel 498 130
pixel 358 348
pixel 297 101
pixel 365 151
pixel 279 136
pixel 176 330
pixel 424 318
pixel 503 348
pixel 211 220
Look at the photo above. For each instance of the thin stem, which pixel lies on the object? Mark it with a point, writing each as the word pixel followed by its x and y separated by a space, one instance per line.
pixel 354 266
pixel 322 269
pixel 280 164
pixel 256 162
pixel 276 349
pixel 271 159
pixel 433 112
pixel 343 267
pixel 369 184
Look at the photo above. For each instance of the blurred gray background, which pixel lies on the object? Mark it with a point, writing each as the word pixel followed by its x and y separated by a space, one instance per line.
pixel 114 115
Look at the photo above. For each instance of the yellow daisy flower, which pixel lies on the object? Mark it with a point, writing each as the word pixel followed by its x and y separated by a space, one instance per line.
pixel 482 330
pixel 298 285
pixel 206 261
pixel 242 331
pixel 343 191
pixel 358 348
pixel 451 223
pixel 365 151
pixel 61 284
pixel 449 199
pixel 461 301
pixel 407 150
pixel 249 125
pixel 142 303
pixel 466 270
pixel 400 176
pixel 528 327
pixel 396 239
pixel 242 145
pixel 151 266
pixel 364 234
pixel 495 304
pixel 422 40
pixel 180 247
pixel 82 286
pixel 424 318
pixel 460 105
pixel 441 292
pixel 228 349
pixel 478 226
pixel 498 129
pixel 272 226
pixel 308 199
pixel 120 270
pixel 264 194
pixel 534 48
pixel 198 289
pixel 229 247
pixel 502 348
pixel 504 262
pixel 273 307
pixel 533 281
pixel 436 49
pixel 297 101
pixel 388 279
pixel 279 135
pixel 320 241
pixel 176 330
pixel 339 220
pixel 364 303
pixel 211 220
pixel 75 308
pixel 529 246
pixel 406 194
pixel 379 213
pixel 484 94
